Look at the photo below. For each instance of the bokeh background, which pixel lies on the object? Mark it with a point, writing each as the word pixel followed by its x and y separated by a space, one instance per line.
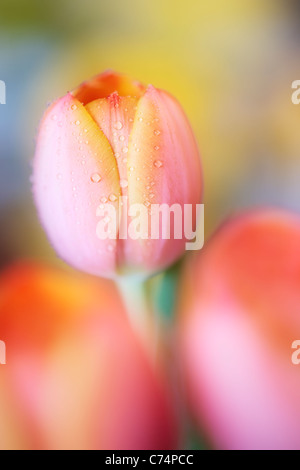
pixel 231 65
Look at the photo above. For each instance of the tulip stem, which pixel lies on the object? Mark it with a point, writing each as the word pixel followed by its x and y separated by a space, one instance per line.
pixel 137 299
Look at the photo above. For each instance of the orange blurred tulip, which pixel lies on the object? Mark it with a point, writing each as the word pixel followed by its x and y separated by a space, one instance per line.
pixel 76 376
pixel 240 306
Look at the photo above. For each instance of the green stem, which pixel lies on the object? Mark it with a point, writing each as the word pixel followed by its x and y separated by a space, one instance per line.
pixel 137 299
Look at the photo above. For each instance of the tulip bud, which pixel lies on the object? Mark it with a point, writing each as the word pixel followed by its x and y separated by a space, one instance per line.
pixel 76 375
pixel 239 324
pixel 114 138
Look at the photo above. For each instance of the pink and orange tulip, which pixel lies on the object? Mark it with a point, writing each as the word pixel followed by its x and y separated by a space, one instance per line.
pixel 109 138
pixel 239 323
pixel 76 376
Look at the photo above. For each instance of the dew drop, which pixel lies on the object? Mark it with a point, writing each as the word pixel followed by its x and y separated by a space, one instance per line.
pixel 103 200
pixel 125 150
pixel 156 147
pixel 77 123
pixel 74 107
pixel 158 164
pixel 118 125
pixel 117 155
pixel 147 203
pixel 96 178
pixel 121 138
pixel 156 132
pixel 124 183
pixel 113 198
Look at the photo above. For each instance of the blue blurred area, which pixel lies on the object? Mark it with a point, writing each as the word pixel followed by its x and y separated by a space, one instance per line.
pixel 19 61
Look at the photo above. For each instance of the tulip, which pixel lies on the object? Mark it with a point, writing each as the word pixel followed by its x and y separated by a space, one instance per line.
pixel 111 138
pixel 76 376
pixel 239 322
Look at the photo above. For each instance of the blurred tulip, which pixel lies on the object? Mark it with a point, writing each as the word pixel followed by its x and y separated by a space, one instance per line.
pixel 76 376
pixel 113 137
pixel 240 317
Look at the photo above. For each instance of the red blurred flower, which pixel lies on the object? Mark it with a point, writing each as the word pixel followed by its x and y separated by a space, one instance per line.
pixel 76 376
pixel 239 322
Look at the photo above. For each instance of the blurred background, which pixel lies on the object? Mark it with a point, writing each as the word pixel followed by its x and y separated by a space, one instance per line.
pixel 230 64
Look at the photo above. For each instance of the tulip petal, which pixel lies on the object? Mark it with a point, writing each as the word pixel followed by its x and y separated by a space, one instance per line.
pixel 75 171
pixel 105 84
pixel 115 116
pixel 165 157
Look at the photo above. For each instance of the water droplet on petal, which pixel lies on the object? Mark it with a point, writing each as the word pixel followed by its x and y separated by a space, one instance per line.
pixel 156 147
pixel 124 183
pixel 121 138
pixel 113 198
pixel 156 132
pixel 125 149
pixel 103 200
pixel 118 125
pixel 77 123
pixel 158 164
pixel 74 107
pixel 96 178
